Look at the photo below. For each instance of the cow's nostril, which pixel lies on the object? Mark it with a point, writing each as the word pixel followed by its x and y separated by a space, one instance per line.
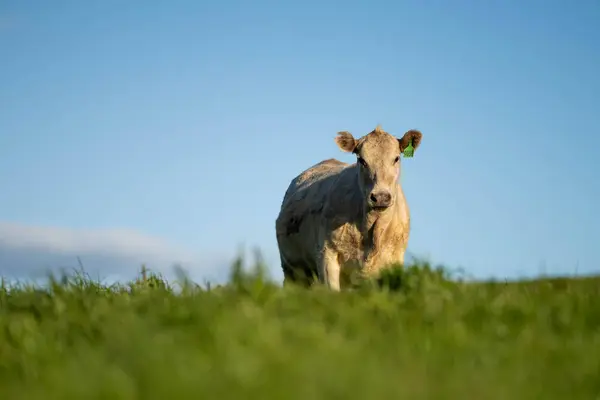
pixel 373 198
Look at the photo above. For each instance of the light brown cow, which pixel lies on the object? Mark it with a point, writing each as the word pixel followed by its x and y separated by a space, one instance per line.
pixel 338 217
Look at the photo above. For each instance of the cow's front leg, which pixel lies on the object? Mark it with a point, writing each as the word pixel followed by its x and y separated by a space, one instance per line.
pixel 329 270
pixel 400 258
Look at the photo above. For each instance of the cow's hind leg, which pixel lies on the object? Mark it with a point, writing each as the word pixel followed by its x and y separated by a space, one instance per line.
pixel 296 275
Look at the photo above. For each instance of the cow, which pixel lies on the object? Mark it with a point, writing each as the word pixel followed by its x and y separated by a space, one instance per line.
pixel 338 218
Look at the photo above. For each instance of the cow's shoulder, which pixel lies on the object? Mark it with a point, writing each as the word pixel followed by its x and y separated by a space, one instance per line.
pixel 318 172
pixel 307 194
pixel 344 202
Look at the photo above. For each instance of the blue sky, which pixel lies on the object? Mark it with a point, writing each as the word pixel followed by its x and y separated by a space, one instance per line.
pixel 181 123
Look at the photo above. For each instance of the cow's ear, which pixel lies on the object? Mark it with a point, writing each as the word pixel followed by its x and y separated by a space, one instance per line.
pixel 410 137
pixel 346 141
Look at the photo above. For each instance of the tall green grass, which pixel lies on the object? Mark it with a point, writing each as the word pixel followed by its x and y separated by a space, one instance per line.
pixel 413 334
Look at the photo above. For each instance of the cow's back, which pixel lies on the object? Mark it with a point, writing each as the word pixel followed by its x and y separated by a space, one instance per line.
pixel 300 213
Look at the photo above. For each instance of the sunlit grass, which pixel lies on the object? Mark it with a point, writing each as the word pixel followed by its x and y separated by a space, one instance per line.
pixel 413 334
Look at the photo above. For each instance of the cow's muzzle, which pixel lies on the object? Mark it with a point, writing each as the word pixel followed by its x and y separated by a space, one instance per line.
pixel 380 200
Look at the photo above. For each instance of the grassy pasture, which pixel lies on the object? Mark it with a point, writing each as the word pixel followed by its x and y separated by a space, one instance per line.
pixel 414 334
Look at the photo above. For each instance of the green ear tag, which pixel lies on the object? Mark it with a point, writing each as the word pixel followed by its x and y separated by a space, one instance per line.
pixel 409 150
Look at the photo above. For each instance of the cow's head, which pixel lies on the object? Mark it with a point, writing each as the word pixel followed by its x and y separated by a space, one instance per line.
pixel 378 158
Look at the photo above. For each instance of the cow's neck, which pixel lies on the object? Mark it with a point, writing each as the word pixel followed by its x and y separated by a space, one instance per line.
pixel 374 227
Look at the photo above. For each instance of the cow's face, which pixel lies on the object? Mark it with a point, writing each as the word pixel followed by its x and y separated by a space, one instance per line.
pixel 378 162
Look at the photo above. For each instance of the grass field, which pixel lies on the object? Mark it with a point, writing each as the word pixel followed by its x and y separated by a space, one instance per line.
pixel 420 336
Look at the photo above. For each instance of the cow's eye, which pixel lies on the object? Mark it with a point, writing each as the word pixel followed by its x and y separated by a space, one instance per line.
pixel 362 162
pixel 396 159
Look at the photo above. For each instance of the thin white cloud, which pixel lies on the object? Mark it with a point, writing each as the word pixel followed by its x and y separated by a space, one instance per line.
pixel 28 251
pixel 118 242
